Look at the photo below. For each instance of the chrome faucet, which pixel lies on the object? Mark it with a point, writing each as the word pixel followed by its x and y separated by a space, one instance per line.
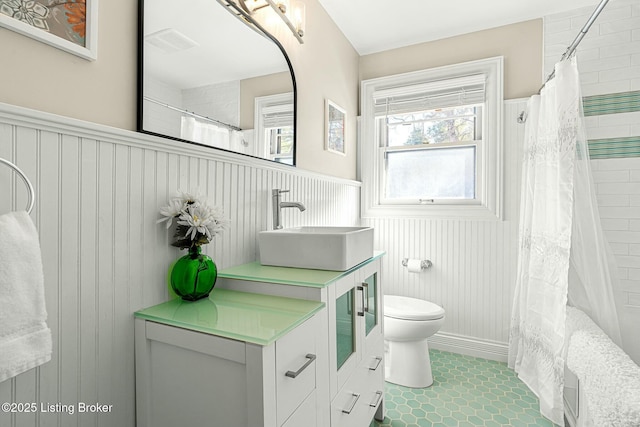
pixel 278 205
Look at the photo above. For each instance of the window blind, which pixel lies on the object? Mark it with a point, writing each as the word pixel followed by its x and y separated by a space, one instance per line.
pixel 431 95
pixel 277 116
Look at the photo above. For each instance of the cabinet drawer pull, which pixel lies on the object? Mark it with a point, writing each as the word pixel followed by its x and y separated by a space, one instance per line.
pixel 365 291
pixel 378 361
pixel 377 399
pixel 356 396
pixel 310 357
pixel 361 313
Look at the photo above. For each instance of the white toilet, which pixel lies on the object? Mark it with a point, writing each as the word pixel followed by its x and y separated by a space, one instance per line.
pixel 408 322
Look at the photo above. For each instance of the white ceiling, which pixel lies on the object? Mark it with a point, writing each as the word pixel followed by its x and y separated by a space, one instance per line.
pixel 377 25
pixel 225 49
pixel 370 25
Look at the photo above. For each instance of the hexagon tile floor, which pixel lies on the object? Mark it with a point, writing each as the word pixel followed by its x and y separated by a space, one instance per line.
pixel 466 392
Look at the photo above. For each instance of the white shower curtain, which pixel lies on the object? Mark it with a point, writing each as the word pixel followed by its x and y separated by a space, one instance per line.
pixel 559 228
pixel 205 133
pixel 213 135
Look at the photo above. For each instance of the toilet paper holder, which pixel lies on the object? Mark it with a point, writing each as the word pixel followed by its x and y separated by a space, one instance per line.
pixel 424 264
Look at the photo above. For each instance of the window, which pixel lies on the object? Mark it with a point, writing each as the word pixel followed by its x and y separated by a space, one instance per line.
pixel 431 142
pixel 279 143
pixel 274 127
pixel 431 154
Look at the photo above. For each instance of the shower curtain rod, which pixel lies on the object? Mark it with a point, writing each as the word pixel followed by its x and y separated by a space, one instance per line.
pixel 583 32
pixel 196 115
pixel 572 47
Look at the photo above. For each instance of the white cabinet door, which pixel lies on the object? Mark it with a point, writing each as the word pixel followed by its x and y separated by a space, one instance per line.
pixel 370 288
pixel 348 408
pixel 373 367
pixel 357 347
pixel 343 329
pixel 184 378
pixel 305 415
pixel 356 403
pixel 193 379
pixel 295 367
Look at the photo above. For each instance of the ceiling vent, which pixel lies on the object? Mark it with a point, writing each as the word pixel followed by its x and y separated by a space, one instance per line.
pixel 170 40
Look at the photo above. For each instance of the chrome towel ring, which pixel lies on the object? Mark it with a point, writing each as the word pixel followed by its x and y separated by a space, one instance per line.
pixel 26 182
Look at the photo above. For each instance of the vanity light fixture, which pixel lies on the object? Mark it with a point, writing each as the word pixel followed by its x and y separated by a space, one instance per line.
pixel 298 16
pixel 251 6
pixel 293 17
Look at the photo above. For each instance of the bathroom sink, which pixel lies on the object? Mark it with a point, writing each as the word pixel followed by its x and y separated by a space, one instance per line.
pixel 320 248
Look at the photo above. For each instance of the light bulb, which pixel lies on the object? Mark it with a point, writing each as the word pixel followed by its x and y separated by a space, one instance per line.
pixel 298 17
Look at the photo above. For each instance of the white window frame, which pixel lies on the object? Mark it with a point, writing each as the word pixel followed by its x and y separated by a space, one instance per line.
pixel 282 102
pixel 488 202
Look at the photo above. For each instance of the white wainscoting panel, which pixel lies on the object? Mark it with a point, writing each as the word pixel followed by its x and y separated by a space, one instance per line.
pixel 474 261
pixel 98 192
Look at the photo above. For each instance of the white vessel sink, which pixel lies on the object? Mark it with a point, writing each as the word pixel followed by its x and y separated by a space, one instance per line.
pixel 320 248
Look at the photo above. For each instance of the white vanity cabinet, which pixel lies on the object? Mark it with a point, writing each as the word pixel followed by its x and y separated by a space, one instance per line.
pixel 235 359
pixel 351 385
pixel 356 340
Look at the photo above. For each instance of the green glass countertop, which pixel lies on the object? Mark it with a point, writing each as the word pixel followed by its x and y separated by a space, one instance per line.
pixel 256 272
pixel 243 316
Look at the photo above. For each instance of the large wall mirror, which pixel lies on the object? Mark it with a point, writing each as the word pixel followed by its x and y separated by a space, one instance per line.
pixel 208 75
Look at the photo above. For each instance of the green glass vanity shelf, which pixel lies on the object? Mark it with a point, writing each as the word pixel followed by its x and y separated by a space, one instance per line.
pixel 256 272
pixel 243 316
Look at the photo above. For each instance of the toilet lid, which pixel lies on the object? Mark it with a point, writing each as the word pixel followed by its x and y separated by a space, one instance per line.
pixel 411 308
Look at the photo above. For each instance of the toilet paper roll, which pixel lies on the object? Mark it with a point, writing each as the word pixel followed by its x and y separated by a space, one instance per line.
pixel 414 266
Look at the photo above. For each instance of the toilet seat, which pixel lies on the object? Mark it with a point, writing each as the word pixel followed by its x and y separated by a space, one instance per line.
pixel 407 308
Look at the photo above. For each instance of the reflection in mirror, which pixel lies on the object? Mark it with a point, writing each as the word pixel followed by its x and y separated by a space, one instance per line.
pixel 274 115
pixel 211 77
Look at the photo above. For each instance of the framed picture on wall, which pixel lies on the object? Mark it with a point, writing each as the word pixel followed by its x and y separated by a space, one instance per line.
pixel 70 25
pixel 335 123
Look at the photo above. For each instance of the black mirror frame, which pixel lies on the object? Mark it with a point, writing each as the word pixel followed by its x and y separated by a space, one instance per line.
pixel 241 15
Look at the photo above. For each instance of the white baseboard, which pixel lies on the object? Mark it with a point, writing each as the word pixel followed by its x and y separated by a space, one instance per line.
pixel 476 347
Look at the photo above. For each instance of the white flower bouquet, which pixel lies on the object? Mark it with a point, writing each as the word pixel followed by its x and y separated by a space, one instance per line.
pixel 196 222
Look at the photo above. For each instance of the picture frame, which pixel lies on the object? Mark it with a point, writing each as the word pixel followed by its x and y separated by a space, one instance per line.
pixel 69 26
pixel 335 127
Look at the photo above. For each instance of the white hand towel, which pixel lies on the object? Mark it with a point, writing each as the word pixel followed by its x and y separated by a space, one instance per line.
pixel 25 339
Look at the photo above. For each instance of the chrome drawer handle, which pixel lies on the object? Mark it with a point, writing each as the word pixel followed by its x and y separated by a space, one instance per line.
pixel 353 404
pixel 378 361
pixel 365 287
pixel 310 357
pixel 377 400
pixel 361 313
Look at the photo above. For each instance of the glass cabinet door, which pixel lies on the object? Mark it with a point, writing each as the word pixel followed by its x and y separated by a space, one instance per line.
pixel 345 327
pixel 370 286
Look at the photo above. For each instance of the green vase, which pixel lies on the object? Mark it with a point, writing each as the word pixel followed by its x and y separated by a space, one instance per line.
pixel 193 276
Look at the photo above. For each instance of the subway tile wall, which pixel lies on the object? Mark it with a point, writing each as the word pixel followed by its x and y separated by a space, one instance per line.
pixel 165 121
pixel 159 118
pixel 225 105
pixel 609 55
pixel 618 192
pixel 609 62
pixel 608 59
